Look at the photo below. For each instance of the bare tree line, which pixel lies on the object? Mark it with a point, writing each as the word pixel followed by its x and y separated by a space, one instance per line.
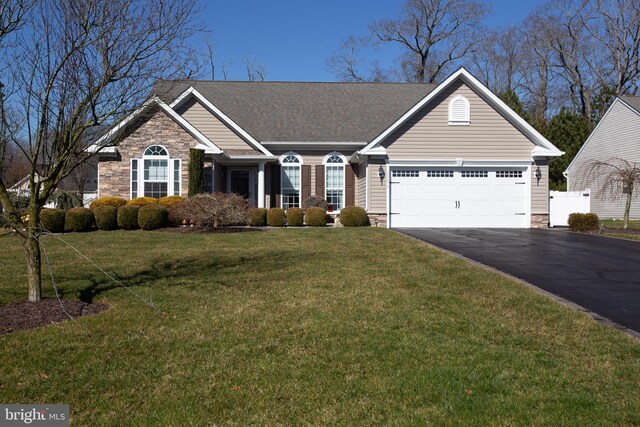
pixel 572 54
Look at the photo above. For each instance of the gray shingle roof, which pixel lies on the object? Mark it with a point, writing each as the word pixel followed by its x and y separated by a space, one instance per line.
pixel 633 101
pixel 306 112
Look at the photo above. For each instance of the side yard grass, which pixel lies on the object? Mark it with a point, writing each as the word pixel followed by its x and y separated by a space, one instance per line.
pixel 308 326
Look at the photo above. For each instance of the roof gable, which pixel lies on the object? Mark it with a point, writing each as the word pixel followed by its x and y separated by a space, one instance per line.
pixel 105 143
pixel 544 148
pixel 631 103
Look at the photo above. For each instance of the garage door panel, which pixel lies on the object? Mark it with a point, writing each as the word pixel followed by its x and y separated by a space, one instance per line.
pixel 459 197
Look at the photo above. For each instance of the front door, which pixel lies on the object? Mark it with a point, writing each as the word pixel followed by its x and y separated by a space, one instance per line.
pixel 241 181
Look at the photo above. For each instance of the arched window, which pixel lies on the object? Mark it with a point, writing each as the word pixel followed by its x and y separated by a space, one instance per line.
pixel 160 174
pixel 334 180
pixel 290 180
pixel 459 113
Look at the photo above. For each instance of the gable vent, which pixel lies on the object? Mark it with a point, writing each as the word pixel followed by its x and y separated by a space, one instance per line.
pixel 459 111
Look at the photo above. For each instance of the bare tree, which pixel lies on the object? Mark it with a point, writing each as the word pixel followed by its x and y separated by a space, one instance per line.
pixel 346 61
pixel 80 64
pixel 616 30
pixel 12 13
pixel 256 71
pixel 614 178
pixel 496 59
pixel 433 33
pixel 210 57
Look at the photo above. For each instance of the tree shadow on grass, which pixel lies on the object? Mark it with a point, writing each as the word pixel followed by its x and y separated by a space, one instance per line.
pixel 179 269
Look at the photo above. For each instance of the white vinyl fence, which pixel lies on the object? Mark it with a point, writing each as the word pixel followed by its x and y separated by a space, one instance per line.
pixel 564 203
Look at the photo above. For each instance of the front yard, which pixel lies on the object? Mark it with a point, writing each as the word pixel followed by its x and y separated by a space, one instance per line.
pixel 308 326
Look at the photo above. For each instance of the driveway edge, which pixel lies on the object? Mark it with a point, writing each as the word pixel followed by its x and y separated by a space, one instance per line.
pixel 595 316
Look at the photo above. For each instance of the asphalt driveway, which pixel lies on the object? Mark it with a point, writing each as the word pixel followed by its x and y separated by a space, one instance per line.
pixel 598 273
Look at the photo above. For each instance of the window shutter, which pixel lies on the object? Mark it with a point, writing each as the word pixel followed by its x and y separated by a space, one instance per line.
pixel 275 186
pixel 320 181
pixel 349 186
pixel 306 182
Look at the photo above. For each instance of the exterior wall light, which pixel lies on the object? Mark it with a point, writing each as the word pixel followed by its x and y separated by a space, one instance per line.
pixel 538 175
pixel 381 173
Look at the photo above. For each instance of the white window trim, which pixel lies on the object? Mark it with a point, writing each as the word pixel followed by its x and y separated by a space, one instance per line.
pixel 344 177
pixel 467 118
pixel 299 165
pixel 170 171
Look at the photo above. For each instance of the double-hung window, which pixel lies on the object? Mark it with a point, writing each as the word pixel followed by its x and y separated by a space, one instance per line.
pixel 334 181
pixel 290 180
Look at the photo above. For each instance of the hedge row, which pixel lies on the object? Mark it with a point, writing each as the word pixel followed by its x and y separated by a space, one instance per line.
pixel 352 216
pixel 105 217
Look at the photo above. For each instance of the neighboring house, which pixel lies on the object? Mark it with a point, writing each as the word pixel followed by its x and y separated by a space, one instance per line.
pixel 616 136
pixel 412 155
pixel 83 180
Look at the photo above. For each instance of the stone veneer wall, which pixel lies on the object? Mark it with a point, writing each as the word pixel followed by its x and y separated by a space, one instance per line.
pixel 160 129
pixel 539 221
pixel 378 220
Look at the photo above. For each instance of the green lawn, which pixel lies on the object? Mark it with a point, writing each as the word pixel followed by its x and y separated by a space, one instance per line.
pixel 313 327
pixel 618 223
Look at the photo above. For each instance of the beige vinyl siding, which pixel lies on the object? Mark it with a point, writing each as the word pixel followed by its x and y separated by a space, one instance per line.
pixel 540 189
pixel 377 189
pixel 617 136
pixel 212 127
pixel 428 135
pixel 361 185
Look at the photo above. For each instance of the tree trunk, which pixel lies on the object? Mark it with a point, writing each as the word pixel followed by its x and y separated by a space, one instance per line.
pixel 34 257
pixel 627 208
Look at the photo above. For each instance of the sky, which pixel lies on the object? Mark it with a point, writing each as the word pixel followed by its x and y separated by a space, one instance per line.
pixel 294 39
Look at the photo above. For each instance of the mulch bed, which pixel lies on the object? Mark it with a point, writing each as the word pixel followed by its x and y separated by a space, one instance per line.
pixel 20 316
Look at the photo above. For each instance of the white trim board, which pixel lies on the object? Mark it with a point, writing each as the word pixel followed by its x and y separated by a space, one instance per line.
pixel 493 100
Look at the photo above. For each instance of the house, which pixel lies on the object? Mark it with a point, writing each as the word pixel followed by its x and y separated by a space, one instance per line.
pixel 83 181
pixel 615 137
pixel 412 155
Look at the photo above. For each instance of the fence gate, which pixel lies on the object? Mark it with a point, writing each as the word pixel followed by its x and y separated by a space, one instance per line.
pixel 564 203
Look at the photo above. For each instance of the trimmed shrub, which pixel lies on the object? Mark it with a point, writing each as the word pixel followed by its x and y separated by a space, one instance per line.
pixel 116 202
pixel 128 217
pixel 354 216
pixel 257 217
pixel 152 217
pixel 316 217
pixel 583 222
pixel 214 210
pixel 171 203
pixel 275 217
pixel 52 220
pixel 170 200
pixel 295 217
pixel 314 202
pixel 106 217
pixel 79 219
pixel 142 201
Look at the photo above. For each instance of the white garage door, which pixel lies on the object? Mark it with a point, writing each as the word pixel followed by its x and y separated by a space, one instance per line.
pixel 459 197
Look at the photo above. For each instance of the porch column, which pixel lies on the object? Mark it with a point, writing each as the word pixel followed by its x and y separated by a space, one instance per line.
pixel 261 185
